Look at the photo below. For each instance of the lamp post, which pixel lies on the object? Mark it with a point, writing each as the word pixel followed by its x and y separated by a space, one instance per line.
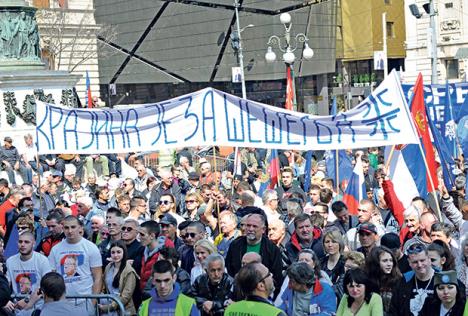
pixel 290 46
pixel 237 45
pixel 430 9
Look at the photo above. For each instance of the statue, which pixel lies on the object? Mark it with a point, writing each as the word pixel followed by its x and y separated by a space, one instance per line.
pixel 21 33
pixel 6 34
pixel 34 50
pixel 19 36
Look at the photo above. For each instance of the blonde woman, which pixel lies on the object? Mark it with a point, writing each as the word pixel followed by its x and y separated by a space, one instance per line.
pixel 333 263
pixel 193 201
pixel 202 249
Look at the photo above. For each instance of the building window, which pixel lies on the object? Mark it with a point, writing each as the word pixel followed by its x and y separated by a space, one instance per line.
pixel 451 67
pixel 449 5
pixel 390 29
pixel 388 2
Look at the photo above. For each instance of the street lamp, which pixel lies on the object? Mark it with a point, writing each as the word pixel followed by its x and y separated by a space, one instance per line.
pixel 288 50
pixel 430 9
pixel 237 46
pixel 291 44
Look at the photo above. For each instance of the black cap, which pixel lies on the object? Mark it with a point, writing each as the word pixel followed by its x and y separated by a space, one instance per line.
pixel 391 241
pixel 57 173
pixel 193 176
pixel 168 219
pixel 183 225
pixel 367 227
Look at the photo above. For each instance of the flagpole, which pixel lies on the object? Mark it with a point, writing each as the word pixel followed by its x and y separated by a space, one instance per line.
pixel 234 170
pixel 39 185
pixel 431 182
pixel 216 179
pixel 390 156
pixel 337 173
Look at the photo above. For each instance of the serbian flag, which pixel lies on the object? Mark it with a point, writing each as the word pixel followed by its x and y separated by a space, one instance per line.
pixel 89 99
pixel 407 172
pixel 273 169
pixel 356 189
pixel 418 112
pixel 289 90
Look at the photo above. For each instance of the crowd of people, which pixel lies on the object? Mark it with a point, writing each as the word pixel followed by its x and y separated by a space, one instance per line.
pixel 182 238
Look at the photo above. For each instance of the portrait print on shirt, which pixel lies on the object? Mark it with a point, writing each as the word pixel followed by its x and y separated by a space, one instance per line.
pixel 25 282
pixel 69 267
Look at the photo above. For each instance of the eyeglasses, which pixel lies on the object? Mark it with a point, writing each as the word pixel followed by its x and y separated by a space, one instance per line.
pixel 416 248
pixel 265 277
pixel 191 235
pixel 165 202
pixel 190 201
pixel 126 229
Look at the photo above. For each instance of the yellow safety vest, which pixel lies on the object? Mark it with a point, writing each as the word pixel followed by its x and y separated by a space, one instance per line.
pixel 249 308
pixel 183 306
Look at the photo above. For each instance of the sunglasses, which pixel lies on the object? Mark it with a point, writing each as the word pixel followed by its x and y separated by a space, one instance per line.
pixel 191 235
pixel 266 276
pixel 413 249
pixel 165 202
pixel 126 229
pixel 190 201
pixel 23 227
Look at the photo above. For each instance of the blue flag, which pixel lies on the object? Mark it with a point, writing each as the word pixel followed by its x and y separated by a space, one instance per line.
pixel 345 166
pixel 11 248
pixel 448 127
pixel 334 106
pixel 308 167
pixel 462 132
pixel 461 111
pixel 446 159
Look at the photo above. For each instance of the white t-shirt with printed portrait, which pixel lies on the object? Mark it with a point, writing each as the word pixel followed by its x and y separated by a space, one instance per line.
pixel 74 263
pixel 25 276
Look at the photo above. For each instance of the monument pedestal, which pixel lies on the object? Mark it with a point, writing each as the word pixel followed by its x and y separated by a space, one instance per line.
pixel 19 91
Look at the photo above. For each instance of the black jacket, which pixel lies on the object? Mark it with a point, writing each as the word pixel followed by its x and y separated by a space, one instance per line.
pixel 271 258
pixel 432 308
pixel 405 291
pixel 5 293
pixel 203 290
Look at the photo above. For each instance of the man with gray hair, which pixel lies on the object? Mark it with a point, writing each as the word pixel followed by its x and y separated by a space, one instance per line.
pixel 305 294
pixel 114 224
pixel 270 204
pixel 419 226
pixel 212 289
pixel 167 185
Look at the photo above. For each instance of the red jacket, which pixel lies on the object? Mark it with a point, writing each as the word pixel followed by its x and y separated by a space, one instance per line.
pixel 151 258
pixel 397 209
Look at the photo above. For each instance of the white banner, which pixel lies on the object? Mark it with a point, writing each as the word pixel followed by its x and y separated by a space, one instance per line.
pixel 212 117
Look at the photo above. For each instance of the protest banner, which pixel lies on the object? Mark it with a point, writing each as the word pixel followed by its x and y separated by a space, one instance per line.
pixel 435 99
pixel 211 117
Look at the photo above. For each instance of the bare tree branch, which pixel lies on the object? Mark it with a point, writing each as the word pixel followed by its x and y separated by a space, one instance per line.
pixel 70 36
